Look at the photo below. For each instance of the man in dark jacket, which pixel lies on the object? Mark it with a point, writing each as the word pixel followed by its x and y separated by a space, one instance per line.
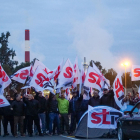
pixel 53 113
pixel 42 110
pixel 8 117
pixel 95 100
pixel 108 96
pixel 32 108
pixel 18 112
pixel 1 113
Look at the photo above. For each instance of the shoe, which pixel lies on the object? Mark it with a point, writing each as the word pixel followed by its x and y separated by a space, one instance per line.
pixel 22 135
pixel 7 134
pixel 49 134
pixel 4 135
pixel 15 136
pixel 30 135
pixel 41 134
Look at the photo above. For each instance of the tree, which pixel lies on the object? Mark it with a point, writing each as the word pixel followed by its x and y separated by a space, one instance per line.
pixel 7 54
pixel 111 75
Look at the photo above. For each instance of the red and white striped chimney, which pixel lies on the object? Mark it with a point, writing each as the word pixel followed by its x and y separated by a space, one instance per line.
pixel 27 46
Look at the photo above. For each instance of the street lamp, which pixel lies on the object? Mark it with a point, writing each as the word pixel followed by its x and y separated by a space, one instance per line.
pixel 125 65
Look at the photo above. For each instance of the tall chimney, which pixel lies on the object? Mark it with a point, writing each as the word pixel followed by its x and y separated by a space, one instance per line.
pixel 27 46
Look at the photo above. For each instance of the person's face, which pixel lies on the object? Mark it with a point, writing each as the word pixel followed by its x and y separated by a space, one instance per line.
pixel 46 97
pixel 105 91
pixel 129 93
pixel 40 94
pixel 62 95
pixel 8 97
pixel 74 94
pixel 18 98
pixel 54 97
pixel 96 94
pixel 30 97
pixel 127 97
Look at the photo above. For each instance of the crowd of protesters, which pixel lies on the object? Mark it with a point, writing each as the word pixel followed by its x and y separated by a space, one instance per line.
pixel 52 114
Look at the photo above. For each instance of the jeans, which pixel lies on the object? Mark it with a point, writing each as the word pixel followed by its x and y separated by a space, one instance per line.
pixel 42 117
pixel 53 117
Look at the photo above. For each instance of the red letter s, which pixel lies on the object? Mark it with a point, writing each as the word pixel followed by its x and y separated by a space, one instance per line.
pixel 137 72
pixel 68 73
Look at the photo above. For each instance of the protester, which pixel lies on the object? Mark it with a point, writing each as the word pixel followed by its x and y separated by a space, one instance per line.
pixel 18 112
pixel 47 113
pixel 95 100
pixel 108 96
pixel 53 113
pixel 73 109
pixel 1 113
pixel 32 113
pixel 42 109
pixel 63 106
pixel 8 117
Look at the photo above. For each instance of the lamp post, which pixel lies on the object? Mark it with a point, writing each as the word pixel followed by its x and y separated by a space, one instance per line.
pixel 125 65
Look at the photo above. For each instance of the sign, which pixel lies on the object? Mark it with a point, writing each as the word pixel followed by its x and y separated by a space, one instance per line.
pixel 135 73
pixel 103 117
pixel 119 92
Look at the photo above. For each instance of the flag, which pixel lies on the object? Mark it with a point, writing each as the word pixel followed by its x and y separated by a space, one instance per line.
pixel 93 79
pixel 119 92
pixel 40 76
pixel 66 76
pixel 4 80
pixel 76 79
pixel 135 73
pixel 3 101
pixel 139 91
pixel 58 70
pixel 21 75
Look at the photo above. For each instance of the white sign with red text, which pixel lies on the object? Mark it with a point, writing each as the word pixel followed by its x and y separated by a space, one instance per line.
pixel 119 92
pixel 93 79
pixel 135 76
pixel 103 117
pixel 4 80
pixel 66 76
pixel 3 101
pixel 21 75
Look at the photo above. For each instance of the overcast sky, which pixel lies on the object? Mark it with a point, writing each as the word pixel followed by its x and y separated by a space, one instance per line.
pixel 107 31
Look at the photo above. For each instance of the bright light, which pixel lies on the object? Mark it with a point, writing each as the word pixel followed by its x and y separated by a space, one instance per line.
pixel 125 64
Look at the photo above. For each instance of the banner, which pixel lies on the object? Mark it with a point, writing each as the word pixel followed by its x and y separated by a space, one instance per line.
pixel 103 117
pixel 4 80
pixel 39 79
pixel 135 73
pixel 3 101
pixel 76 79
pixel 119 92
pixel 93 79
pixel 66 76
pixel 21 75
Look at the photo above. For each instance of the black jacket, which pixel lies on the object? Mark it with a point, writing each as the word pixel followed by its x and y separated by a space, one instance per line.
pixel 107 99
pixel 32 107
pixel 7 109
pixel 94 101
pixel 18 108
pixel 75 104
pixel 52 104
pixel 42 102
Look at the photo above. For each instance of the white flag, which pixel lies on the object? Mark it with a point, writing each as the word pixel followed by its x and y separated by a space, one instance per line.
pixel 66 76
pixel 21 75
pixel 93 79
pixel 135 73
pixel 119 92
pixel 4 80
pixel 76 79
pixel 3 101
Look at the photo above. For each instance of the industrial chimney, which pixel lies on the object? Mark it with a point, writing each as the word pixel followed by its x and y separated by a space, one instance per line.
pixel 27 46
